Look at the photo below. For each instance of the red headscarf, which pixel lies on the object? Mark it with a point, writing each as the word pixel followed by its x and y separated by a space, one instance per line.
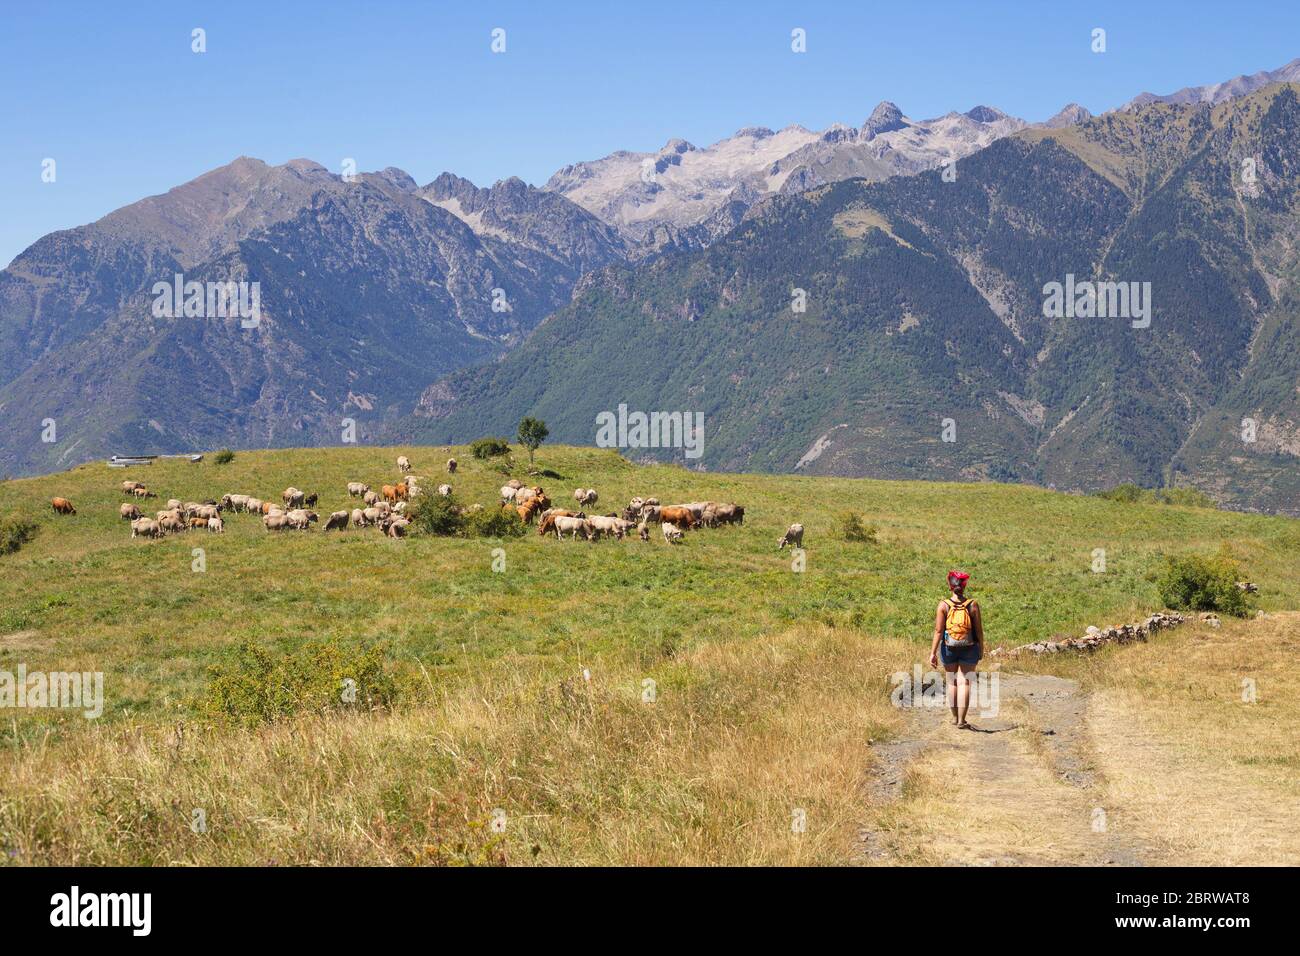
pixel 961 577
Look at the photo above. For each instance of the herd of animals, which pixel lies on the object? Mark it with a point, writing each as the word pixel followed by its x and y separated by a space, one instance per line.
pixel 386 510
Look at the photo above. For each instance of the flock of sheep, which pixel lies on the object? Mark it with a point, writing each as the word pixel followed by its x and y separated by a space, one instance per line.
pixel 386 510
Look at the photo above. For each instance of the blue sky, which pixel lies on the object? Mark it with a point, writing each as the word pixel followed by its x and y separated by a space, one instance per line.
pixel 113 93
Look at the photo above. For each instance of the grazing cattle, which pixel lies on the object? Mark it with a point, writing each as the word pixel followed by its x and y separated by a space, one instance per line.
pixel 403 491
pixel 268 507
pixel 310 500
pixel 370 497
pixel 412 488
pixel 216 525
pixel 672 533
pixel 373 515
pixel 146 528
pixel 514 483
pixel 175 504
pixel 254 505
pixel 174 513
pixel 62 506
pixel 359 518
pixel 292 497
pixel 677 515
pixel 709 517
pixel 575 526
pixel 793 537
pixel 338 519
pixel 172 524
pixel 276 522
pixel 610 524
pixel 234 502
pixel 451 466
pixel 728 513
pixel 299 519
pixel 547 522
pixel 207 511
pixel 357 488
pixel 130 486
pixel 403 463
pixel 129 511
pixel 397 528
pixel 643 531
pixel 389 492
pixel 140 491
pixel 197 522
pixel 400 508
pixel 507 494
pixel 444 490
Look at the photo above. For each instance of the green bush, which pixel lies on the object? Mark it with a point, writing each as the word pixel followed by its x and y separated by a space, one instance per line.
pixel 854 528
pixel 16 532
pixel 442 516
pixel 254 686
pixel 1194 583
pixel 485 448
pixel 494 523
pixel 436 515
pixel 223 457
pixel 1129 492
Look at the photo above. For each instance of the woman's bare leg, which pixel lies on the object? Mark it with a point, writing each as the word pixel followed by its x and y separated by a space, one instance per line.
pixel 963 693
pixel 950 690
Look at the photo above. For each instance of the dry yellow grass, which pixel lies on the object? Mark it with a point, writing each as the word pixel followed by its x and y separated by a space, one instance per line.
pixel 741 737
pixel 1214 778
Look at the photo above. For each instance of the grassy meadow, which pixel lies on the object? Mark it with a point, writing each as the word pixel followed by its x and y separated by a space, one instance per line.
pixel 766 681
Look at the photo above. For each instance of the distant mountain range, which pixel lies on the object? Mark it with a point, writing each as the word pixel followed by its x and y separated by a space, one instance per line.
pixel 1216 93
pixel 922 247
pixel 685 196
pixel 927 348
pixel 369 290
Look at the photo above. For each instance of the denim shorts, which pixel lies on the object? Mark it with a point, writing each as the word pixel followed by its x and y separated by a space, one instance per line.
pixel 969 656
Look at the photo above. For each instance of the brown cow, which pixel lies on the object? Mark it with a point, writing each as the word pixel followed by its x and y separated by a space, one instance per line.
pixel 63 506
pixel 389 492
pixel 197 522
pixel 679 516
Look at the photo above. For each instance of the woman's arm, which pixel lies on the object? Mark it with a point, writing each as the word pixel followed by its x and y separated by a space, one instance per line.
pixel 940 618
pixel 977 619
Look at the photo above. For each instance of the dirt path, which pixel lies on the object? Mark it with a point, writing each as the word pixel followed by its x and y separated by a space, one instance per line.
pixel 1021 788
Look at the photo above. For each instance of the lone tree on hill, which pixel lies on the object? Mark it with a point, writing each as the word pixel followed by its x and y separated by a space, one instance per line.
pixel 532 432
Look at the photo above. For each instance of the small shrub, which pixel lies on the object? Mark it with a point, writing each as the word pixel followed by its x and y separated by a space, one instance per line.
pixel 494 523
pixel 1194 583
pixel 853 528
pixel 16 532
pixel 1129 493
pixel 436 515
pixel 223 457
pixel 485 448
pixel 254 686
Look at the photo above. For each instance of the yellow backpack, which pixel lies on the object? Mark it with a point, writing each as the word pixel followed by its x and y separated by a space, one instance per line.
pixel 959 630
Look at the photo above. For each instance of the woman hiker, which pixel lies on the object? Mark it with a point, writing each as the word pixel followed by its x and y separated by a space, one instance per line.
pixel 958 643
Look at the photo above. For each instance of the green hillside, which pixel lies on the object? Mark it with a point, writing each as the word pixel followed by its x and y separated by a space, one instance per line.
pixel 85 596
